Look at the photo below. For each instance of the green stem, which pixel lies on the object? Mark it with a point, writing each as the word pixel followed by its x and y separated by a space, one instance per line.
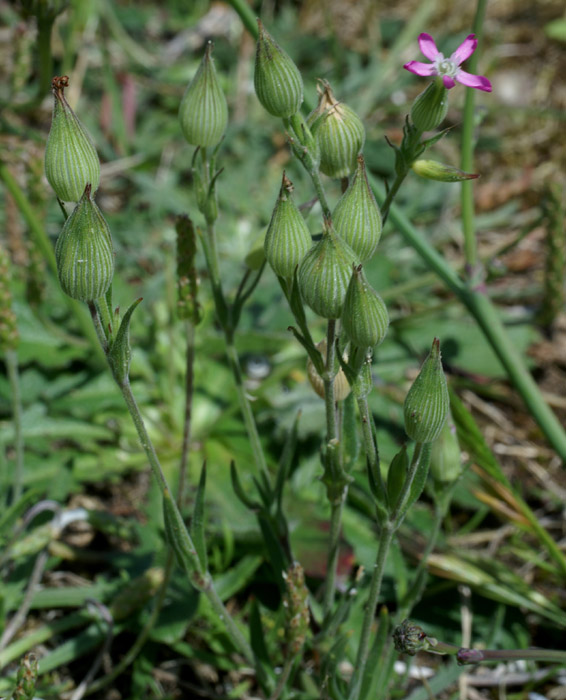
pixel 468 142
pixel 44 244
pixel 420 452
pixel 385 540
pixel 14 378
pixel 189 386
pixel 44 55
pixel 319 189
pixel 336 508
pixel 329 375
pixel 370 447
pixel 388 201
pixel 284 677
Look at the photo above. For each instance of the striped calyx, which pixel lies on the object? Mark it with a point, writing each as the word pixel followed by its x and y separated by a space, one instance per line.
pixel 277 80
pixel 71 160
pixel 364 316
pixel 203 112
pixel 427 403
pixel 341 384
pixel 287 239
pixel 430 107
pixel 356 217
pixel 85 258
pixel 325 272
pixel 338 131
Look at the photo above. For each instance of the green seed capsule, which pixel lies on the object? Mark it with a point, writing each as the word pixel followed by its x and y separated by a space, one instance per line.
pixel 325 272
pixel 203 112
pixel 426 405
pixel 287 239
pixel 71 160
pixel 277 80
pixel 431 106
pixel 364 316
pixel 357 217
pixel 339 133
pixel 85 258
pixel 445 455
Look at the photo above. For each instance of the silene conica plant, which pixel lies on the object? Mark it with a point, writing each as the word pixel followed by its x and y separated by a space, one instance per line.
pixel 334 644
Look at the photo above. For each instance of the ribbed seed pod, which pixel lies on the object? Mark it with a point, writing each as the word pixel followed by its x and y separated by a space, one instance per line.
pixel 430 107
pixel 445 455
pixel 341 385
pixel 339 133
pixel 85 258
pixel 203 112
pixel 427 403
pixel 287 239
pixel 277 80
pixel 356 217
pixel 324 274
pixel 364 316
pixel 71 160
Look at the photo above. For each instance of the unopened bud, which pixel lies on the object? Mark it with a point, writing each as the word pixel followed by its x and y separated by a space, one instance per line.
pixel 430 107
pixel 364 316
pixel 325 272
pixel 85 258
pixel 277 80
pixel 203 112
pixel 71 160
pixel 426 404
pixel 357 217
pixel 339 133
pixel 445 455
pixel 287 239
pixel 433 170
pixel 341 385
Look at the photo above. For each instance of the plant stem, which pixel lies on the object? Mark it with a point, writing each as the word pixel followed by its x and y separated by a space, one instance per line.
pixel 189 386
pixel 388 201
pixel 14 378
pixel 283 678
pixel 420 452
pixel 385 539
pixel 468 142
pixel 370 446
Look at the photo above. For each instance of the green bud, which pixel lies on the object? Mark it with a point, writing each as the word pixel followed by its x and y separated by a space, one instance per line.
pixel 364 316
pixel 426 404
pixel 357 217
pixel 431 106
pixel 85 258
pixel 325 272
pixel 396 475
pixel 71 160
pixel 203 112
pixel 296 604
pixel 8 326
pixel 277 80
pixel 445 455
pixel 341 384
pixel 339 133
pixel 433 170
pixel 287 239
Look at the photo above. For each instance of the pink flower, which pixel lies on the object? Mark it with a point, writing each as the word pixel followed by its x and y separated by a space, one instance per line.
pixel 448 68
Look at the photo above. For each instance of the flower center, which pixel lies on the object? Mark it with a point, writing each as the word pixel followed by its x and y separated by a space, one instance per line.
pixel 445 66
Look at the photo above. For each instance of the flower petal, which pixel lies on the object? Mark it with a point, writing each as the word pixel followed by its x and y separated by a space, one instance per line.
pixel 465 50
pixel 448 82
pixel 419 68
pixel 473 81
pixel 428 47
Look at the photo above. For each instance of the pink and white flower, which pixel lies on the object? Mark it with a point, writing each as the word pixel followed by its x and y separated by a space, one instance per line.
pixel 448 68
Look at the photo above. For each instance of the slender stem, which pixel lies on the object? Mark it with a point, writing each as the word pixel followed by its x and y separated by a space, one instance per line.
pixel 468 142
pixel 388 201
pixel 336 508
pixel 189 385
pixel 315 176
pixel 284 677
pixel 420 452
pixel 385 540
pixel 246 409
pixel 370 446
pixel 44 55
pixel 14 378
pixel 329 375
